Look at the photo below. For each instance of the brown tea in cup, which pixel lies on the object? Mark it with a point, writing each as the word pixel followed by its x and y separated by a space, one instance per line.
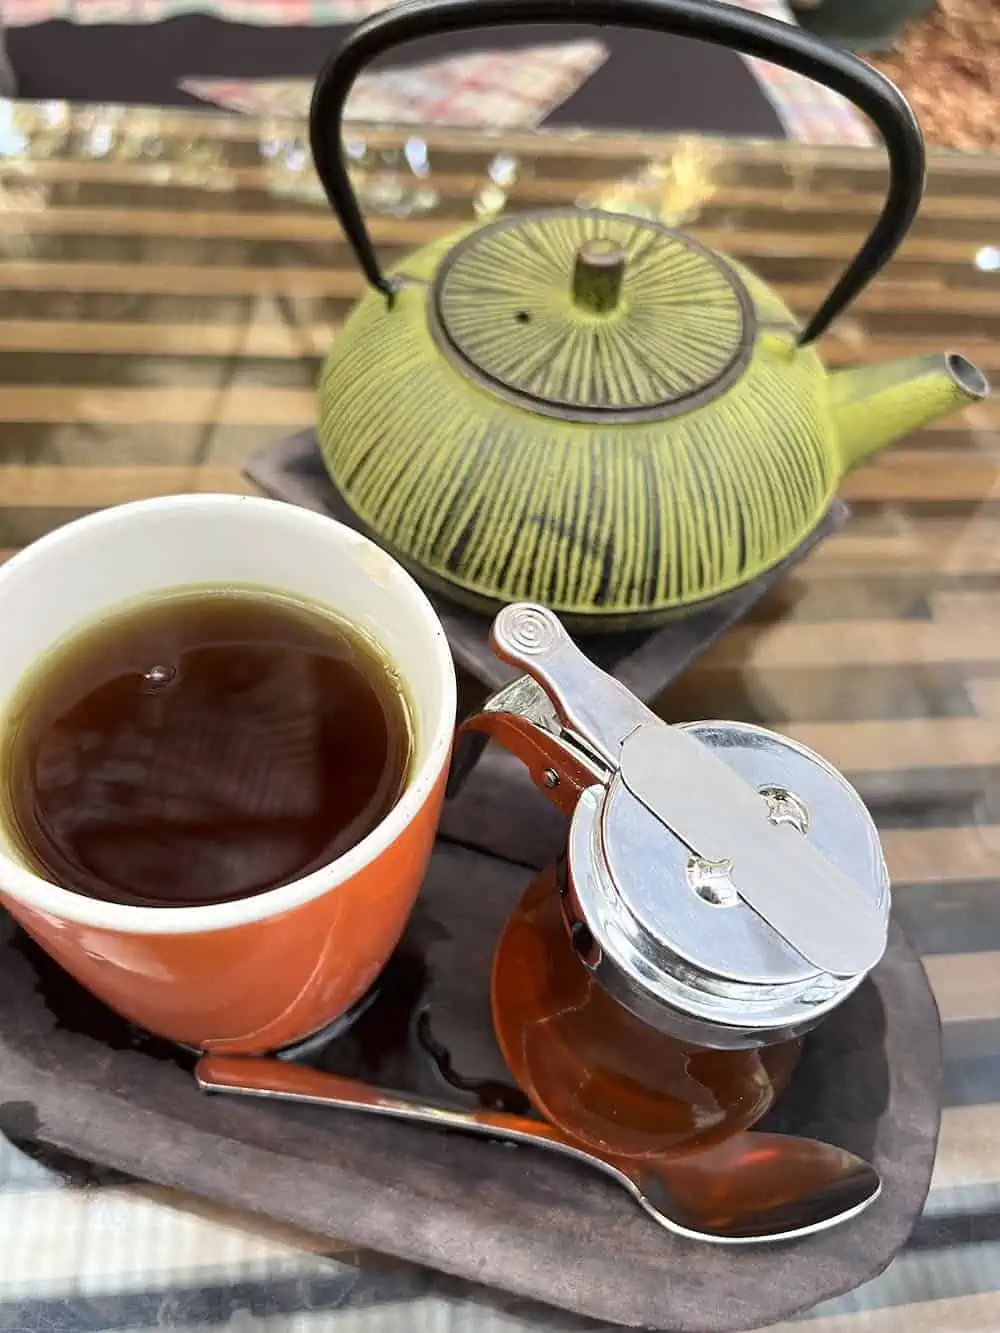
pixel 202 746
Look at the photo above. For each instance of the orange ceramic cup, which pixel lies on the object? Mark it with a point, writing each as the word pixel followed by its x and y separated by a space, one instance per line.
pixel 258 973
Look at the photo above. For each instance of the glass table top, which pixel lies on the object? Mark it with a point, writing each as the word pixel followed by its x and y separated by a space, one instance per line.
pixel 169 284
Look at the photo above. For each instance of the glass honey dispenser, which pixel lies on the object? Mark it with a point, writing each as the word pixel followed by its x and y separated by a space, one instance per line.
pixel 722 889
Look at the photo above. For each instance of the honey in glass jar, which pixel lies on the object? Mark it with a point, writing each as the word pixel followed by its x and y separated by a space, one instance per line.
pixel 722 889
pixel 597 1071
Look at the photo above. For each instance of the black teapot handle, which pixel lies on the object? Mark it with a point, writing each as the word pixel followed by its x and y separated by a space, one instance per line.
pixel 722 24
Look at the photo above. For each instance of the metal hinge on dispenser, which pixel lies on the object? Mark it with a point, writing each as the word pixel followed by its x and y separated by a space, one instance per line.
pixel 720 870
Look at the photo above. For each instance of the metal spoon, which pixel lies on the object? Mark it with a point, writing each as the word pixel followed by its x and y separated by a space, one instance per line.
pixel 753 1188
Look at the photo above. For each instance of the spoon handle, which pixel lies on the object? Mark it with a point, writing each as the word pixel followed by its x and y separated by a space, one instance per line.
pixel 256 1076
pixel 702 1199
pixel 262 1076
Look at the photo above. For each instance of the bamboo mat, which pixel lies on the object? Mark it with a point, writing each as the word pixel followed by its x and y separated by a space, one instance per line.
pixel 168 286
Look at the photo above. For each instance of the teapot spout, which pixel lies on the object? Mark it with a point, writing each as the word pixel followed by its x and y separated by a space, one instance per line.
pixel 875 405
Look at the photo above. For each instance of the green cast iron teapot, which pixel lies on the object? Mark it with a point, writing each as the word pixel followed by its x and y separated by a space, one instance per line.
pixel 592 411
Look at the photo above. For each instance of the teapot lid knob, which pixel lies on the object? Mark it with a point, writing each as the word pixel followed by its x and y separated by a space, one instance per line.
pixel 598 275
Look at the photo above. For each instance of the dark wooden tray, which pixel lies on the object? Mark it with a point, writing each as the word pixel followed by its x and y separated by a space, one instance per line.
pixel 75 1078
pixel 645 660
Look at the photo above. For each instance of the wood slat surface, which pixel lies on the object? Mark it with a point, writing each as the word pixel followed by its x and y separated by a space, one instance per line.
pixel 164 309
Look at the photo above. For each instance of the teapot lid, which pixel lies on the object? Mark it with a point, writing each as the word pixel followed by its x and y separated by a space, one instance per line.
pixel 723 882
pixel 591 316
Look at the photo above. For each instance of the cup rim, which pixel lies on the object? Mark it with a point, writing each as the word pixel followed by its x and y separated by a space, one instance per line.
pixel 34 891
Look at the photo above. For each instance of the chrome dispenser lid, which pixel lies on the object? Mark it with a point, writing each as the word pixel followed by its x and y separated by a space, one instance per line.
pixel 723 882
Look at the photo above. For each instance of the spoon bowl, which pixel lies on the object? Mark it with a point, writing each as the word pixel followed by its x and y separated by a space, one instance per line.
pixel 754 1188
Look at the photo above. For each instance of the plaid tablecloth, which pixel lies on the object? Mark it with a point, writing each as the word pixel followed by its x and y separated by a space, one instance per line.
pixel 494 88
pixel 504 89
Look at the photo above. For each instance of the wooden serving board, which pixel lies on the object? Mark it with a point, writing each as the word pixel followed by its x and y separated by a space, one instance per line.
pixel 76 1078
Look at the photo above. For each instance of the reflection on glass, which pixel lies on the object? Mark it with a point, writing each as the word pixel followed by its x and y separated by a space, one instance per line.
pixel 295 156
pixel 503 169
pixel 391 180
pixel 42 129
pixel 12 142
pixel 417 157
pixel 53 114
pixel 673 190
pixel 489 202
pixel 286 163
pixel 99 141
pixel 423 201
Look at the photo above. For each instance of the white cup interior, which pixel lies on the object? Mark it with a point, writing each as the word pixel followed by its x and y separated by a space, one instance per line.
pixel 88 568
